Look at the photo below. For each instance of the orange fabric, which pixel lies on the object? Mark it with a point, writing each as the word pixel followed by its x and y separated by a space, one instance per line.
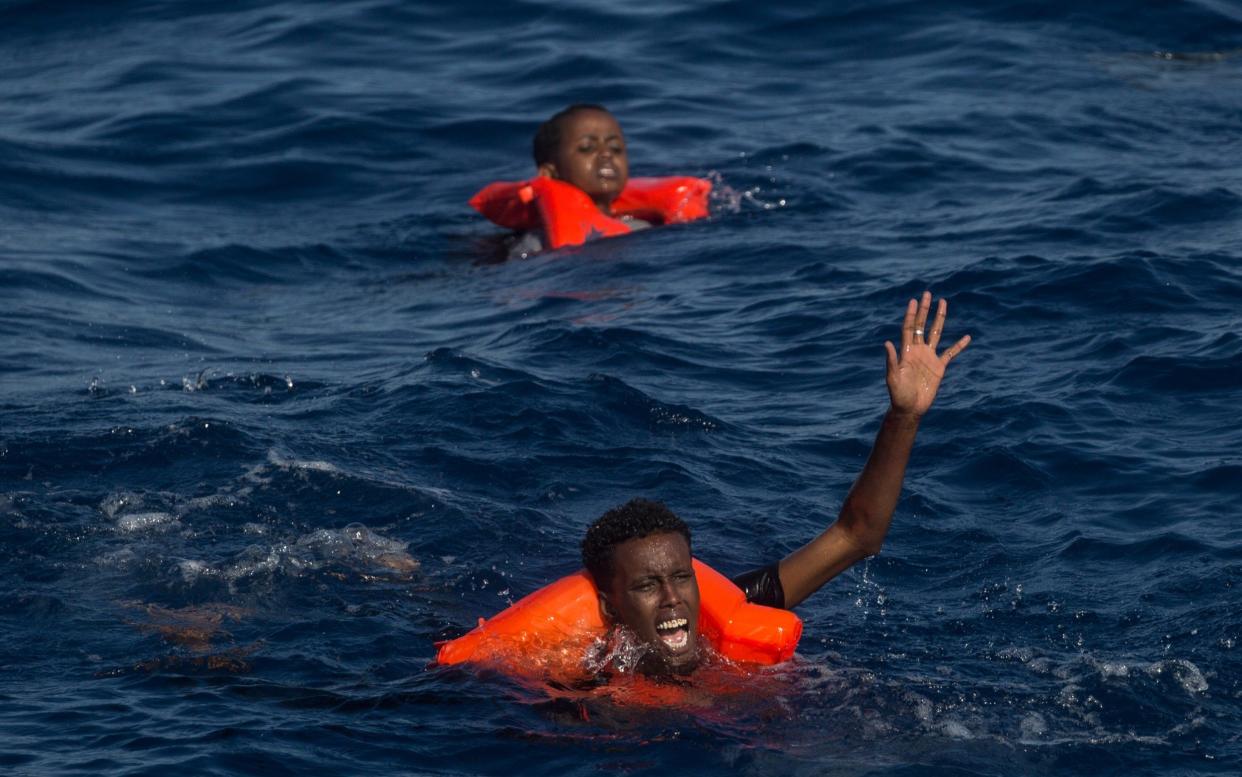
pixel 673 200
pixel 739 630
pixel 565 215
pixel 550 630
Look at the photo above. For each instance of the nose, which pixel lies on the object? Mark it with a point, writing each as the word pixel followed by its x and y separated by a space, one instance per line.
pixel 669 596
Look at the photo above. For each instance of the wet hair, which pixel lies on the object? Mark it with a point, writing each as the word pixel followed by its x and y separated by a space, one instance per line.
pixel 548 136
pixel 633 520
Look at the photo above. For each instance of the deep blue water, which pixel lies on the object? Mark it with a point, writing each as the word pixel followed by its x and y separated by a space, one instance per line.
pixel 273 420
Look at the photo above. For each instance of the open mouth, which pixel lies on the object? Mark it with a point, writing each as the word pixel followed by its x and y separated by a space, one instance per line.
pixel 674 633
pixel 608 173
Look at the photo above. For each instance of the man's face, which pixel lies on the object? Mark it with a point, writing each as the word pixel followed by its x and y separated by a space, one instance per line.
pixel 591 156
pixel 654 592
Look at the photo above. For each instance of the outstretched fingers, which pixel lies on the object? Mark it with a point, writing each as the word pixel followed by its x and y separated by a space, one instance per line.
pixel 907 326
pixel 913 330
pixel 957 348
pixel 920 319
pixel 933 337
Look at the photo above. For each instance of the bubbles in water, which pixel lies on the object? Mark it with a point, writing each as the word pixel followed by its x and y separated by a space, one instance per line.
pixel 725 199
pixel 924 710
pixel 191 569
pixel 1185 673
pixel 1033 726
pixel 277 460
pixel 1113 669
pixel 1022 654
pixel 870 592
pixel 111 505
pixel 118 558
pixel 354 547
pixel 956 729
pixel 622 653
pixel 198 383
pixel 136 522
pixel 357 542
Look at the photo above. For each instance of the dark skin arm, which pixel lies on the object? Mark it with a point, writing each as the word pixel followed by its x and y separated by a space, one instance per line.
pixel 913 379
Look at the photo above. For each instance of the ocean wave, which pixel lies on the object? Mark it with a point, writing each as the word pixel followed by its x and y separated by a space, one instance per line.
pixel 274 421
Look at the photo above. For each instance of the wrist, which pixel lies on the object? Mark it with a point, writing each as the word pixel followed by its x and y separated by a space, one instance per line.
pixel 904 417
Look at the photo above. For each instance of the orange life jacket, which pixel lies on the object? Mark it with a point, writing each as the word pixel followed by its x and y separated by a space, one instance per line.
pixel 567 216
pixel 550 630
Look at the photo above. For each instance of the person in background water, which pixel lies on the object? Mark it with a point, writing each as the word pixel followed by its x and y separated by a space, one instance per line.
pixel 581 145
pixel 638 554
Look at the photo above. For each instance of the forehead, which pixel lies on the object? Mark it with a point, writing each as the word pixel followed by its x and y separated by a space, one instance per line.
pixel 581 123
pixel 657 554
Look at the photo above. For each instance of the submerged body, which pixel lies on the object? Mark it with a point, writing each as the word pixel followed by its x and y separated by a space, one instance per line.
pixel 530 242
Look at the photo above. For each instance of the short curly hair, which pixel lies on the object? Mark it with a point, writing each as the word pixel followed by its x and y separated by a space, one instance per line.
pixel 633 520
pixel 548 136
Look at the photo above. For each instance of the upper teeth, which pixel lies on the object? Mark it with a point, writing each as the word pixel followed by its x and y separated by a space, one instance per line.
pixel 675 623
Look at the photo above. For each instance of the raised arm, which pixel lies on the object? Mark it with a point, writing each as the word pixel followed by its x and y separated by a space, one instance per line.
pixel 913 380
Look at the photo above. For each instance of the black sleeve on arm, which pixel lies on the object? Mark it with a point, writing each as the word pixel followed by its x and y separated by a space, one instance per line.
pixel 762 586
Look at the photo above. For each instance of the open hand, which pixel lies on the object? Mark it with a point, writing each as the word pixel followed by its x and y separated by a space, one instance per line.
pixel 914 378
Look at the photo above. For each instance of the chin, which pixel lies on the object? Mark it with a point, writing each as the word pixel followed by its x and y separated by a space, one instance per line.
pixel 661 666
pixel 662 662
pixel 686 665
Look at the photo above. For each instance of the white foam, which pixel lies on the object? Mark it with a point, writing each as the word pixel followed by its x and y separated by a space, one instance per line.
pixel 1114 669
pixel 118 501
pixel 255 560
pixel 312 465
pixel 205 502
pixel 117 558
pixel 956 729
pixel 924 710
pixel 193 569
pixel 1187 675
pixel 135 522
pixel 357 543
pixel 1033 726
pixel 623 655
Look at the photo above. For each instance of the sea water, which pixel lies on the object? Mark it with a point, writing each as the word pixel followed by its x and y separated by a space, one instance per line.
pixel 274 419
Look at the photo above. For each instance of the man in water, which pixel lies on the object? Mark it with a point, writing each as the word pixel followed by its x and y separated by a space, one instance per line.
pixel 581 145
pixel 639 553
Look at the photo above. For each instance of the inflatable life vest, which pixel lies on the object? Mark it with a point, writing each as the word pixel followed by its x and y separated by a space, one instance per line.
pixel 567 216
pixel 551 630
